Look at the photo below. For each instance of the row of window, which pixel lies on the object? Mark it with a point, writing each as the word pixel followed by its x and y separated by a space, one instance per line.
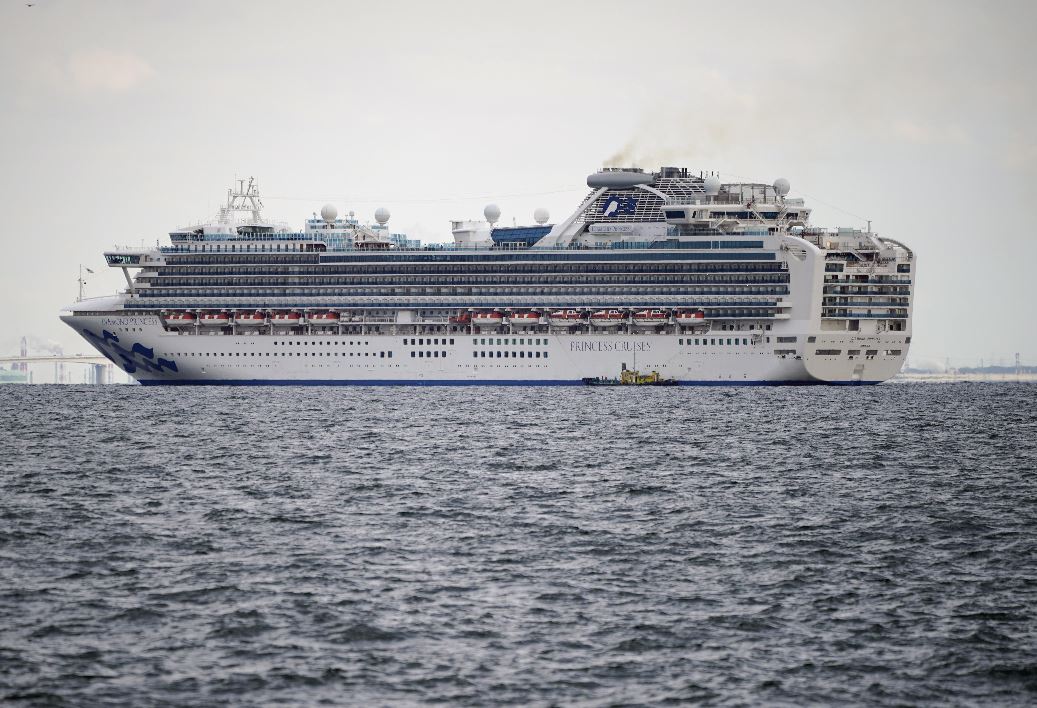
pixel 247 247
pixel 237 287
pixel 330 266
pixel 505 341
pixel 843 302
pixel 856 352
pixel 561 290
pixel 213 277
pixel 866 278
pixel 498 354
pixel 382 355
pixel 525 255
pixel 427 354
pixel 421 341
pixel 866 290
pixel 713 341
pixel 729 310
pixel 289 342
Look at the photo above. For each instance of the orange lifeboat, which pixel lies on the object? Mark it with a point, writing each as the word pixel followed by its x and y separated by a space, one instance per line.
pixel 488 319
pixel 651 318
pixel 566 318
pixel 286 319
pixel 324 318
pixel 463 319
pixel 249 319
pixel 690 318
pixel 215 319
pixel 525 319
pixel 181 319
pixel 608 318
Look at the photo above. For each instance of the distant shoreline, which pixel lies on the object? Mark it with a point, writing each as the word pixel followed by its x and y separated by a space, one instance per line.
pixel 970 377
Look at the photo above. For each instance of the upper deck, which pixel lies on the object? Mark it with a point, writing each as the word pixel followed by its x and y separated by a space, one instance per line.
pixel 667 239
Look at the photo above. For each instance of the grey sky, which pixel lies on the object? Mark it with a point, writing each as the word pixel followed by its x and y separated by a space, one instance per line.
pixel 122 120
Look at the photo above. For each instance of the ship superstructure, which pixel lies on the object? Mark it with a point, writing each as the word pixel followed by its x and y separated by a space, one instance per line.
pixel 702 281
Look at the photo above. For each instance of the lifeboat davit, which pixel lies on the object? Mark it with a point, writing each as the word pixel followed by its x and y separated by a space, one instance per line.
pixel 488 319
pixel 690 318
pixel 608 318
pixel 566 318
pixel 249 319
pixel 181 319
pixel 324 318
pixel 651 318
pixel 286 319
pixel 215 319
pixel 525 319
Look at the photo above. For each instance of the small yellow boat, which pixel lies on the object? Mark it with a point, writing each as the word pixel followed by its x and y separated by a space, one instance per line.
pixel 630 377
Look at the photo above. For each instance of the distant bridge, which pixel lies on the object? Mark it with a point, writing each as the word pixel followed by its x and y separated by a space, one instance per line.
pixel 99 366
pixel 56 359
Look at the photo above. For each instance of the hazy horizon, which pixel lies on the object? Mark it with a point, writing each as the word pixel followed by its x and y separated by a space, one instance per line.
pixel 122 121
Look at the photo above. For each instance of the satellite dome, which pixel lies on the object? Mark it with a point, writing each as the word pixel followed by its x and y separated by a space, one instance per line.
pixel 541 215
pixel 712 185
pixel 492 213
pixel 329 213
pixel 381 215
pixel 781 186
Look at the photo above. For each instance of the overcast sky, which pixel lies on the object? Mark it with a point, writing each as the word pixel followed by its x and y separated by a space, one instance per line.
pixel 122 120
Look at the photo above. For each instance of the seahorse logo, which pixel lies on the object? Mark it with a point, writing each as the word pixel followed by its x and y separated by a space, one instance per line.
pixel 615 206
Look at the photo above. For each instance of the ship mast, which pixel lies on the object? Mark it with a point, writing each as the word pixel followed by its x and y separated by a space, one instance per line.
pixel 82 281
pixel 243 199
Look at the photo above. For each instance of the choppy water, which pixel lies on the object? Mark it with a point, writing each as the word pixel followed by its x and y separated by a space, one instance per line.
pixel 524 546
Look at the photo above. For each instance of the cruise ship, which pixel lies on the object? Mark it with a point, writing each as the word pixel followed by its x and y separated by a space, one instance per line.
pixel 703 281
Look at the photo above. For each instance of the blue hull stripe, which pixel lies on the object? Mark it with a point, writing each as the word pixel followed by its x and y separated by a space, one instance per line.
pixel 448 382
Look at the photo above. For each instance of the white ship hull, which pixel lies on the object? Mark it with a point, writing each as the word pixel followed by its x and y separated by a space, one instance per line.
pixel 144 349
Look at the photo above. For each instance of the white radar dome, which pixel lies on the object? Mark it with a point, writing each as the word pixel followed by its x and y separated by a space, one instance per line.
pixel 782 186
pixel 329 213
pixel 541 215
pixel 712 185
pixel 492 213
pixel 381 215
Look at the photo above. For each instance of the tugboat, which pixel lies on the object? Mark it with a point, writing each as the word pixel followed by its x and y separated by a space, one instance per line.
pixel 630 377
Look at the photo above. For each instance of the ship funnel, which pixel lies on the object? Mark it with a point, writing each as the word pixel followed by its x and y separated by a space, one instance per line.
pixel 618 179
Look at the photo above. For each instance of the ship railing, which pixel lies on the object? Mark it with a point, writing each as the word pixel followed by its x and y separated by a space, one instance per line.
pixel 491 301
pixel 159 291
pixel 710 317
pixel 864 303
pixel 762 310
pixel 860 316
pixel 705 201
pixel 431 248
